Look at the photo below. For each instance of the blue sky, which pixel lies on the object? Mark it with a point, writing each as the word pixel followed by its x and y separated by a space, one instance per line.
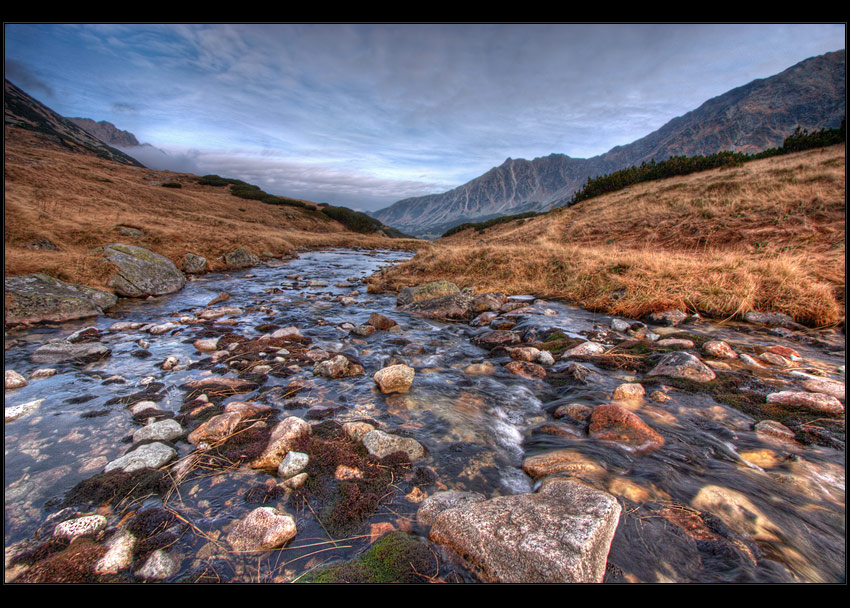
pixel 365 115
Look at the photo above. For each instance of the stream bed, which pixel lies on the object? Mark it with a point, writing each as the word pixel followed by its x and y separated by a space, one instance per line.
pixel 719 501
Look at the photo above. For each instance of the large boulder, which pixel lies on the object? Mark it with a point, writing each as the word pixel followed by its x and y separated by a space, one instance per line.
pixel 560 534
pixel 34 298
pixel 142 272
pixel 62 350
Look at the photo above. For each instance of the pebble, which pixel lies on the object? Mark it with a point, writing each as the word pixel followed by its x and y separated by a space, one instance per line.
pixel 14 380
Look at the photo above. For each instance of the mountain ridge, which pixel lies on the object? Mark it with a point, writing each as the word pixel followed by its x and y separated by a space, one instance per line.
pixel 25 112
pixel 749 118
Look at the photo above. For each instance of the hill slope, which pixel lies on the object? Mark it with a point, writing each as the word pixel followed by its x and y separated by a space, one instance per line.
pixel 765 236
pixel 759 115
pixel 24 112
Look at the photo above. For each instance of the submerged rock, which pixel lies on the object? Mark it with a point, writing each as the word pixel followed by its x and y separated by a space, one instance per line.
pixel 55 352
pixel 263 529
pixel 383 444
pixel 614 423
pixel 141 272
pixel 35 298
pixel 561 534
pixel 150 455
pixel 18 411
pixel 339 366
pixel 395 379
pixel 683 365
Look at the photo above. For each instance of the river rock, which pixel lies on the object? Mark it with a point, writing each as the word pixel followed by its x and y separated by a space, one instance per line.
pixel 141 272
pixel 561 462
pixel 629 391
pixel 292 464
pixel 483 319
pixel 364 331
pixel 772 319
pixel 737 511
pixel 587 349
pixel 614 423
pixel 409 295
pixel 263 529
pixel 160 565
pixel 80 526
pixel 560 534
pixel 14 380
pixel 383 444
pixel 380 322
pixel 394 379
pixel 479 369
pixel 287 333
pixel 487 302
pixel 499 337
pixel 771 428
pixel 719 349
pixel 194 264
pixel 668 317
pixel 223 425
pixel 119 554
pixel 34 298
pixel 524 353
pixel 339 366
pixel 55 352
pixel 525 369
pixel 150 455
pixel 544 357
pixel 774 359
pixel 211 314
pixel 241 258
pixel 283 435
pixel 683 365
pixel 677 342
pixel 827 387
pixel 451 307
pixel 357 430
pixel 815 402
pixel 441 501
pixel 22 409
pixel 164 430
pixel 43 372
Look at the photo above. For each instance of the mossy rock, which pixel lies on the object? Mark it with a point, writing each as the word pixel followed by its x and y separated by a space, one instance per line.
pixel 38 297
pixel 141 272
pixel 396 557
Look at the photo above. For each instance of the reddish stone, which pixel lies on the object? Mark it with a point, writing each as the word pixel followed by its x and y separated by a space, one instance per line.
pixel 614 423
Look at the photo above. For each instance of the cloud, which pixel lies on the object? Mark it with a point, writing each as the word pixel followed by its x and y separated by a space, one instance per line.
pixel 22 75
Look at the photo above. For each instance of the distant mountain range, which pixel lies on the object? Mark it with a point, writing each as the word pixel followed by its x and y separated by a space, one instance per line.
pixel 751 118
pixel 22 111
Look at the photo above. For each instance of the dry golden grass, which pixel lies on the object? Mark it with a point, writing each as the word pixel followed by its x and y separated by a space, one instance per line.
pixel 79 202
pixel 766 236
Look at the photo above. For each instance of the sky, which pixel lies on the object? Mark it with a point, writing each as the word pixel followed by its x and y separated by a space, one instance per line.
pixel 366 115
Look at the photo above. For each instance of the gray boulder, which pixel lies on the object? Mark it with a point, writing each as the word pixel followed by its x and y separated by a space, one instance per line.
pixel 241 258
pixel 34 298
pixel 54 352
pixel 142 272
pixel 194 264
pixel 150 455
pixel 560 534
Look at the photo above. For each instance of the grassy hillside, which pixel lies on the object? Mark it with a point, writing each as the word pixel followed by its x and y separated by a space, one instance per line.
pixel 78 202
pixel 768 236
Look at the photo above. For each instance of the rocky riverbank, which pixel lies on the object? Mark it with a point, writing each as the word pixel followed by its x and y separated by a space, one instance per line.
pixel 274 424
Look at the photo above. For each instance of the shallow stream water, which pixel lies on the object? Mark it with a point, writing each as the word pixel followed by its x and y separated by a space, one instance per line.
pixel 779 516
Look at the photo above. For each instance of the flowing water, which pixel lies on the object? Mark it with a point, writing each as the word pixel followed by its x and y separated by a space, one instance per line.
pixel 717 503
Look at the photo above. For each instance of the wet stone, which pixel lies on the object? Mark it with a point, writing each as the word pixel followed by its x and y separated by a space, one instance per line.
pixel 442 501
pixel 683 365
pixel 815 402
pixel 383 444
pixel 81 526
pixel 395 379
pixel 164 430
pixel 263 529
pixel 150 455
pixel 14 380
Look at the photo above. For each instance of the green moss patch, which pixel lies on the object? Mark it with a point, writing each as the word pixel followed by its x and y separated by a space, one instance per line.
pixel 396 557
